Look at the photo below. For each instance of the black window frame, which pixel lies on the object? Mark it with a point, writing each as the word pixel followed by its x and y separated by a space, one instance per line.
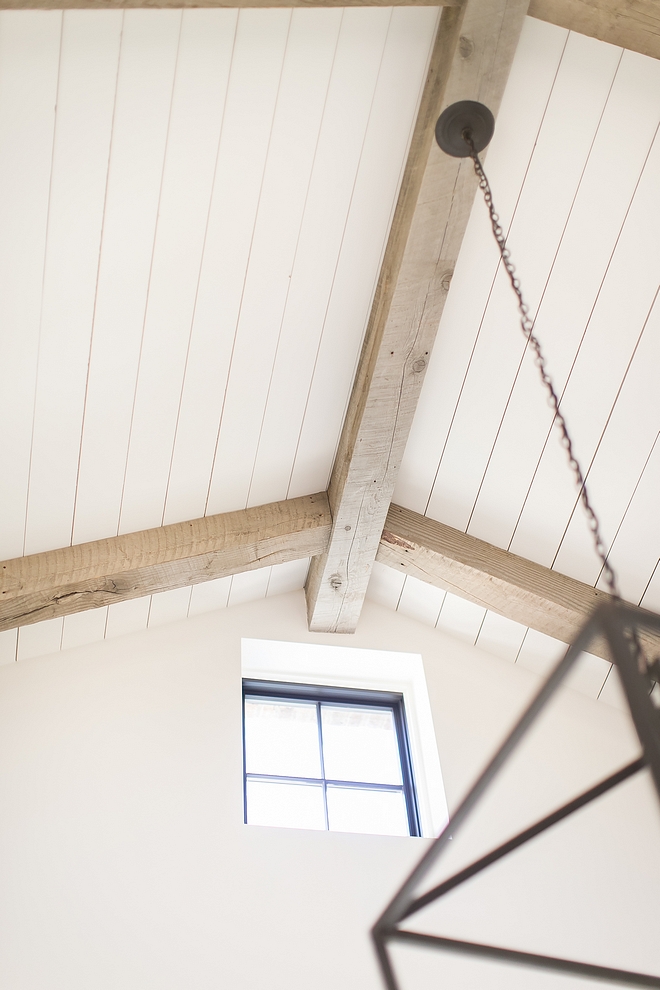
pixel 321 693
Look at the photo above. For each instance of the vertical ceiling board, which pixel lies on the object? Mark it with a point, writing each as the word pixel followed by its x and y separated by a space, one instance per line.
pixel 142 108
pixel 256 66
pixel 209 596
pixel 198 96
pixel 345 120
pixel 29 61
pixel 612 692
pixel 461 618
pixel 500 636
pixel 85 103
pixel 82 628
pixel 250 586
pixel 40 639
pixel 651 596
pixel 301 96
pixel 126 617
pixel 289 576
pixel 169 606
pixel 599 370
pixel 421 601
pixel 589 675
pixel 386 585
pixel 635 548
pixel 8 646
pixel 539 652
pixel 519 120
pixel 618 463
pixel 621 146
pixel 346 112
pixel 550 185
pixel 397 96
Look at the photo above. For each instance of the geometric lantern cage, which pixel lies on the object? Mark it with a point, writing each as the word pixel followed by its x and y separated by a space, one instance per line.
pixel 620 625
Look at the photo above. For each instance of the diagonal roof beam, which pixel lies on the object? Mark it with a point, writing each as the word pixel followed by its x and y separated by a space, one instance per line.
pixel 497 579
pixel 178 4
pixel 89 575
pixel 472 57
pixel 634 25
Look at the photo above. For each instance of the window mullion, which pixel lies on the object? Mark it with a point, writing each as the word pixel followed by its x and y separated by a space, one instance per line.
pixel 325 785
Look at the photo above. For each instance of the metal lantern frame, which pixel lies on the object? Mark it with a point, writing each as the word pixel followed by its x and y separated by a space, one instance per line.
pixel 620 625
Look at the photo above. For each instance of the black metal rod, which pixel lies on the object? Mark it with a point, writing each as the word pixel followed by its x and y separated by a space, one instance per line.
pixel 525 836
pixel 586 970
pixel 385 961
pixel 644 714
pixel 402 899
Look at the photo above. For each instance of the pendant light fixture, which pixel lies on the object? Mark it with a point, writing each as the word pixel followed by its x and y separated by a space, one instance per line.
pixel 462 131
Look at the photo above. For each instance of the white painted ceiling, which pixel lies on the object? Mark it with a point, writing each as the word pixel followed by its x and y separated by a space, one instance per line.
pixel 193 210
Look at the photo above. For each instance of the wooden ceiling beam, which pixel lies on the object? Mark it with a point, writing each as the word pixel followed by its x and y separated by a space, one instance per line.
pixel 633 24
pixel 89 575
pixel 472 57
pixel 491 577
pixel 178 4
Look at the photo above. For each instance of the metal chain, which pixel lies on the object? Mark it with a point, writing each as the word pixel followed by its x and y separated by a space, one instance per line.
pixel 527 326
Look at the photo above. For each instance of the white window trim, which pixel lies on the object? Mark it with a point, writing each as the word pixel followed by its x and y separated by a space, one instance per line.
pixel 376 670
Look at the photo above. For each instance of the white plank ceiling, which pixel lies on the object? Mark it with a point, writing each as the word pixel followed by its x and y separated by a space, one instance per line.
pixel 193 210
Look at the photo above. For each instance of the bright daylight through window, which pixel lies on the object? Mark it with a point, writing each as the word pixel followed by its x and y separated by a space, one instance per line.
pixel 327 758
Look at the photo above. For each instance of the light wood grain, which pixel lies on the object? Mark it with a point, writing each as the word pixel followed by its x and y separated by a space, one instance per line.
pixel 633 24
pixel 72 579
pixel 496 579
pixel 427 230
pixel 158 4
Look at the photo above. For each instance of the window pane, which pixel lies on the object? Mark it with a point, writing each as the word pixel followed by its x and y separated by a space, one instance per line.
pixel 351 809
pixel 360 744
pixel 285 804
pixel 281 737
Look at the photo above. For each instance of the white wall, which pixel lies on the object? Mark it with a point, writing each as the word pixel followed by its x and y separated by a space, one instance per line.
pixel 124 862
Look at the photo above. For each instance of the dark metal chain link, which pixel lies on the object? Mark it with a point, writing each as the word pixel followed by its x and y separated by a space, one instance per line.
pixel 527 326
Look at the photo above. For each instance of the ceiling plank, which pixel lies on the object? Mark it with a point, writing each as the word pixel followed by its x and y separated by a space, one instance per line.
pixel 633 24
pixel 89 575
pixel 496 579
pixel 472 57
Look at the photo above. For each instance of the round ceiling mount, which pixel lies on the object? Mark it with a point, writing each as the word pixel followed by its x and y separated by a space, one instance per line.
pixel 466 115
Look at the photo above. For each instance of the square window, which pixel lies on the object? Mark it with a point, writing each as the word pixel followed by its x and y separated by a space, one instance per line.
pixel 327 758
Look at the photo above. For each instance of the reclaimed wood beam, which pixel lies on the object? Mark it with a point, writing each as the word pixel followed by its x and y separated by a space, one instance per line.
pixel 496 579
pixel 633 24
pixel 471 59
pixel 160 4
pixel 73 579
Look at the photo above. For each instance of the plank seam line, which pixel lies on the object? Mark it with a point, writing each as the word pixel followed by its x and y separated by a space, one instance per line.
pixel 494 278
pixel 151 268
pixel 201 268
pixel 586 329
pixel 247 265
pixel 295 258
pixel 98 273
pixel 545 287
